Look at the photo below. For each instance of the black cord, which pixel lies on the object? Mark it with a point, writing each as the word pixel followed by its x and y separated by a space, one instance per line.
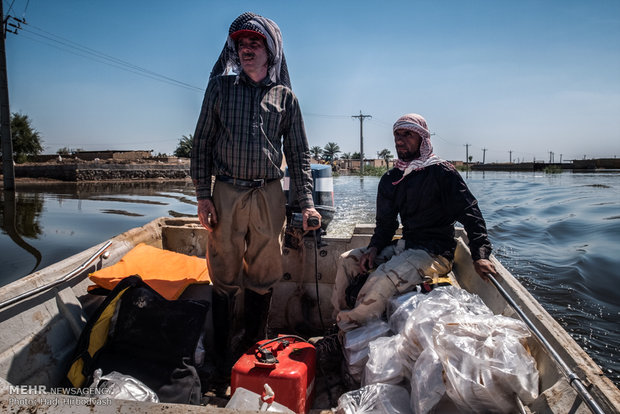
pixel 316 279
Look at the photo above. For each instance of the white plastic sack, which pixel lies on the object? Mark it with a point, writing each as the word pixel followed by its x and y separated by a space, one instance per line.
pixel 375 399
pixel 486 362
pixel 123 387
pixel 385 362
pixel 427 383
pixel 355 345
pixel 359 338
pixel 356 361
pixel 396 302
pixel 439 303
pixel 401 314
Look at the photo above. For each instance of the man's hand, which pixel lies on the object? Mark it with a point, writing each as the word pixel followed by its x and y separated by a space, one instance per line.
pixel 367 260
pixel 207 214
pixel 484 266
pixel 306 214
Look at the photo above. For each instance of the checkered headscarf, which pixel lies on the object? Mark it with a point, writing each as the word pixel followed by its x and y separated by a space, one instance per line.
pixel 229 58
pixel 417 124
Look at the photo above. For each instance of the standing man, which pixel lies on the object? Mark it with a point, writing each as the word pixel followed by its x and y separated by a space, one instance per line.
pixel 429 195
pixel 245 120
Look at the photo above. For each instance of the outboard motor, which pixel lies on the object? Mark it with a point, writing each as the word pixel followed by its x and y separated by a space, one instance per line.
pixel 323 197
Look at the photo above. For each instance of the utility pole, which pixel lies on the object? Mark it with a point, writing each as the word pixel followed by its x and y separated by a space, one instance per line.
pixel 560 158
pixel 361 117
pixel 510 152
pixel 467 153
pixel 484 153
pixel 8 168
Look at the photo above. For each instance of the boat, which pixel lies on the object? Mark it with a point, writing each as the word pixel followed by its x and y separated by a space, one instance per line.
pixel 42 315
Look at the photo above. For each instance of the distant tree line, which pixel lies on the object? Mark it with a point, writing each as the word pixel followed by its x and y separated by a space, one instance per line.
pixel 26 140
pixel 329 153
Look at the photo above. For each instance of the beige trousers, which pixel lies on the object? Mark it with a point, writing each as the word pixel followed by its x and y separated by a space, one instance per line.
pixel 244 251
pixel 399 270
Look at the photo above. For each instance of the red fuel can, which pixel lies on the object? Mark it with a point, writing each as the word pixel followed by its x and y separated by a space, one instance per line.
pixel 287 364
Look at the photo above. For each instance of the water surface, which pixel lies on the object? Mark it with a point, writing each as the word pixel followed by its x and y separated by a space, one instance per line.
pixel 559 234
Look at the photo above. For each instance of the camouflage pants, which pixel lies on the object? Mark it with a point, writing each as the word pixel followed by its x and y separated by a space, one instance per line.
pixel 399 270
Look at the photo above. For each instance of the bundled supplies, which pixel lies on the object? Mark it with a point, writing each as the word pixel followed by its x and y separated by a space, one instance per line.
pixel 451 347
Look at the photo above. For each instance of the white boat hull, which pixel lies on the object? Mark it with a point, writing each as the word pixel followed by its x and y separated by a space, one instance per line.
pixel 39 333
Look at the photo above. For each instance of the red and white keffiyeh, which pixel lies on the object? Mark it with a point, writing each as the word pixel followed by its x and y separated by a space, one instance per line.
pixel 417 124
pixel 228 62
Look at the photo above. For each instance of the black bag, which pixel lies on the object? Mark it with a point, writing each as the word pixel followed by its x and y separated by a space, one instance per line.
pixel 137 332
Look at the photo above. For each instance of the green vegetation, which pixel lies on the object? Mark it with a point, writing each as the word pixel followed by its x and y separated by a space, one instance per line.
pixel 374 171
pixel 26 140
pixel 552 169
pixel 316 152
pixel 184 149
pixel 330 152
pixel 386 155
pixel 464 167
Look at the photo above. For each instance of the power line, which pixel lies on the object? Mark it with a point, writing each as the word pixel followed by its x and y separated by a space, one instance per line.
pixel 100 57
pixel 10 8
pixel 325 116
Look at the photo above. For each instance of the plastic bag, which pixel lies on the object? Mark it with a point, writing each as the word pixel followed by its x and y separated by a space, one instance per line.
pixel 486 362
pixel 359 338
pixel 431 308
pixel 376 399
pixel 427 382
pixel 385 362
pixel 246 400
pixel 123 387
pixel 396 302
pixel 355 345
pixel 356 361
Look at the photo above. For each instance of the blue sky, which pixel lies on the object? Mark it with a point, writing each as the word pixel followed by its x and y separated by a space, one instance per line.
pixel 523 76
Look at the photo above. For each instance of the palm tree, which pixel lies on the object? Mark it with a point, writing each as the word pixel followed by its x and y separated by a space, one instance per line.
pixel 184 149
pixel 330 151
pixel 347 156
pixel 386 155
pixel 316 152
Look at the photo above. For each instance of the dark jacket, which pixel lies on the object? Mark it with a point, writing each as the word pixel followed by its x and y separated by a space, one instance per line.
pixel 429 202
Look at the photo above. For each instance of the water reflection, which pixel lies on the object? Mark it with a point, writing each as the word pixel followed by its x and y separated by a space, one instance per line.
pixel 23 221
pixel 122 213
pixel 49 221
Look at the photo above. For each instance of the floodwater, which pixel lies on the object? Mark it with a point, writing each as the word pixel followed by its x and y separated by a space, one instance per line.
pixel 559 234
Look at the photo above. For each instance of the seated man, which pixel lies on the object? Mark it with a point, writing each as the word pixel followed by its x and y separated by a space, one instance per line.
pixel 430 196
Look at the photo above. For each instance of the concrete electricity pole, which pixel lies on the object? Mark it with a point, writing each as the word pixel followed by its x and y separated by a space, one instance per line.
pixel 510 152
pixel 8 168
pixel 361 118
pixel 484 153
pixel 467 153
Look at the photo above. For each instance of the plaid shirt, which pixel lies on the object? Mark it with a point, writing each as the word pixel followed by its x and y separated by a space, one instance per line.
pixel 239 134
